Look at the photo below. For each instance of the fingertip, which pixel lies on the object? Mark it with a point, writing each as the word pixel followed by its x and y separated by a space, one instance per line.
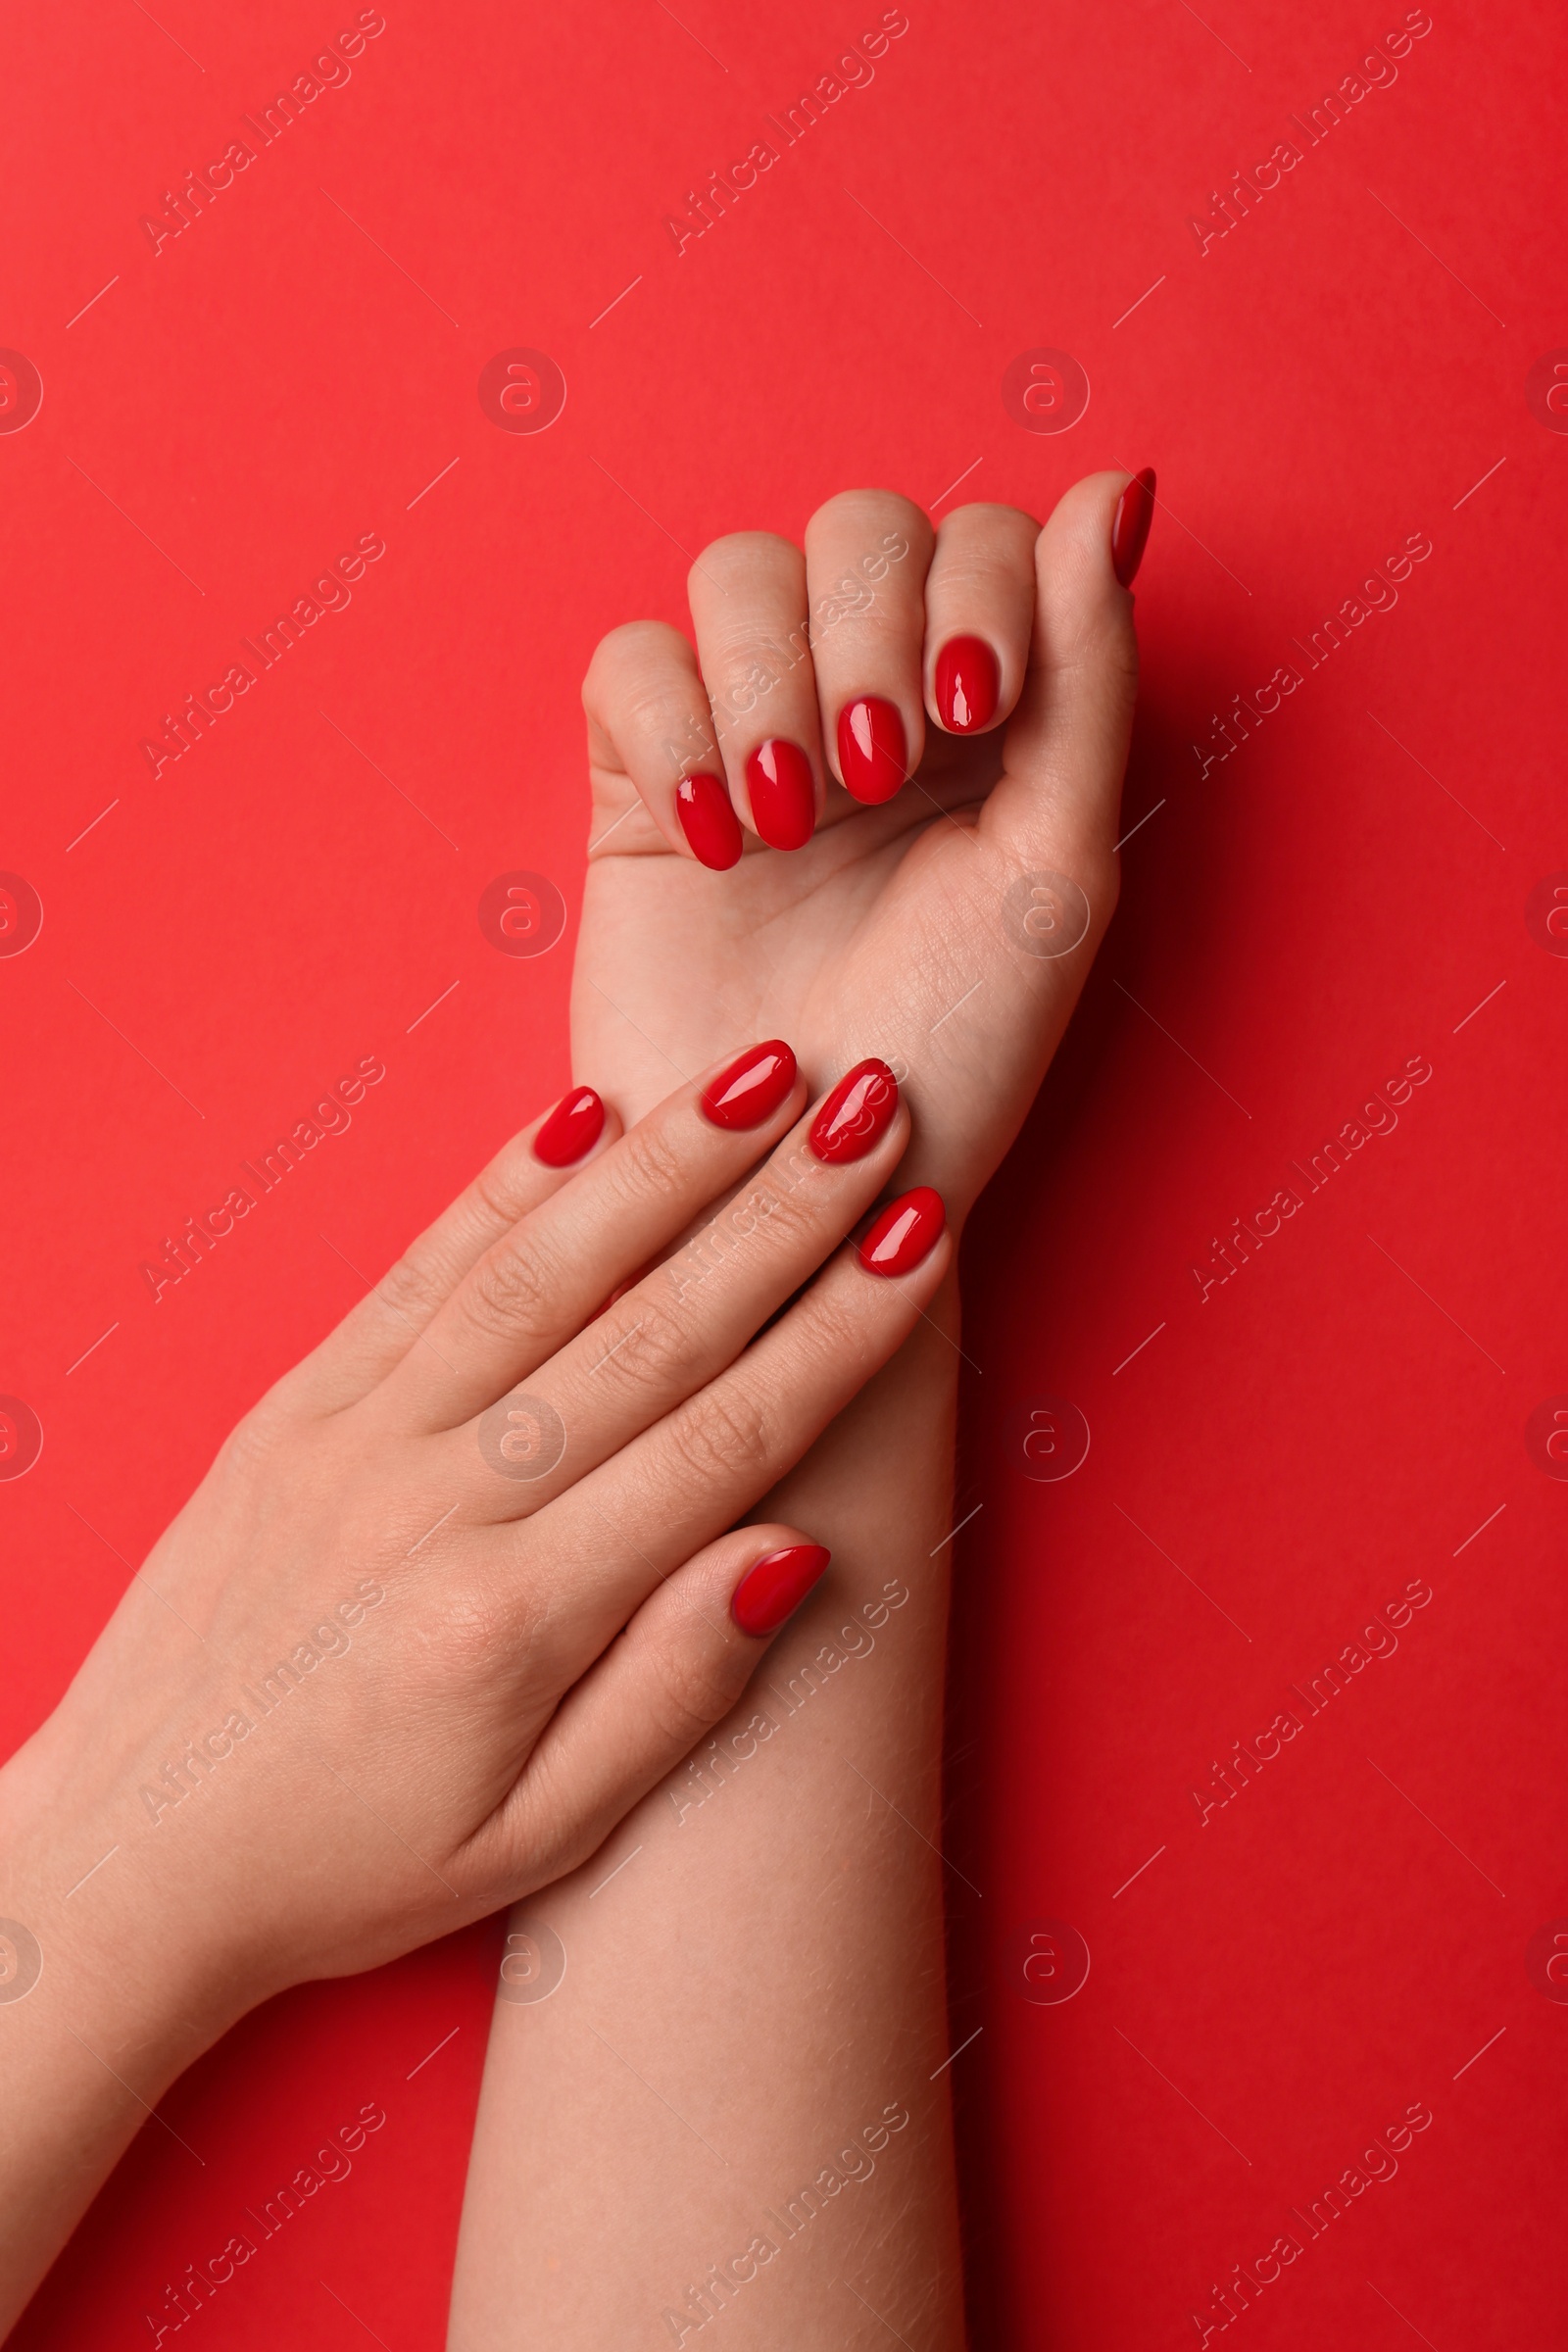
pixel 774 1587
pixel 873 748
pixel 904 1234
pixel 571 1132
pixel 965 686
pixel 709 822
pixel 748 1090
pixel 781 788
pixel 1129 526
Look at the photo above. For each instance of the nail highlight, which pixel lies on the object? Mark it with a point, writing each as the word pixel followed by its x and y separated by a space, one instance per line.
pixel 855 1113
pixel 708 823
pixel 906 1232
pixel 1129 531
pixel 776 1586
pixel 572 1130
pixel 752 1088
pixel 783 791
pixel 968 685
pixel 873 754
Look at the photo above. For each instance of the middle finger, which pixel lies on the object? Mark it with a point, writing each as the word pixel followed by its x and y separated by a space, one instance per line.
pixel 748 602
pixel 868 553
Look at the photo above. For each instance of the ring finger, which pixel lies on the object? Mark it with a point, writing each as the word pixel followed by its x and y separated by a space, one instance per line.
pixel 979 613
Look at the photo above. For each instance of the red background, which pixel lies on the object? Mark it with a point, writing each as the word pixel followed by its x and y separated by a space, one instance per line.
pixel 1337 896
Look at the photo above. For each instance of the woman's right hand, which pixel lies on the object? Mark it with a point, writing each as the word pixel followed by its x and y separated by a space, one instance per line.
pixel 454 1597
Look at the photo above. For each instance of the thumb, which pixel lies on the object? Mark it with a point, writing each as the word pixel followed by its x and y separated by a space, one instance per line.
pixel 1054 812
pixel 681 1665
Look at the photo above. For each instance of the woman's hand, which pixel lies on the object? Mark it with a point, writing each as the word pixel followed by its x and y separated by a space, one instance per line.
pixel 450 1600
pixel 947 924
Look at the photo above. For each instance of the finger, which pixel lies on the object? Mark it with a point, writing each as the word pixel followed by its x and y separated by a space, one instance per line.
pixel 617 1533
pixel 1057 803
pixel 690 1315
pixel 866 557
pixel 979 617
pixel 748 601
pixel 678 1668
pixel 375 1335
pixel 649 720
pixel 535 1288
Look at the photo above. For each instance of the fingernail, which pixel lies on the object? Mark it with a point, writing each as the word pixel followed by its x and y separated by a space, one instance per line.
pixel 572 1130
pixel 855 1113
pixel 874 755
pixel 776 1586
pixel 708 823
pixel 969 682
pixel 906 1232
pixel 783 790
pixel 1129 531
pixel 753 1087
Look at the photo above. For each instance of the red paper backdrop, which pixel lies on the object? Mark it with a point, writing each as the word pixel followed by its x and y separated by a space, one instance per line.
pixel 1345 370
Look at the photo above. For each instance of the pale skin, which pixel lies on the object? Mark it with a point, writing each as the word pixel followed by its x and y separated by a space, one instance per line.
pixel 452 1596
pixel 491 1669
pixel 762 1982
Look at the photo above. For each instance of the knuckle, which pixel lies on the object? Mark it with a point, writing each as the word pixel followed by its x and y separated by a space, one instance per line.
pixel 501 1191
pixel 771 1224
pixel 983 532
pixel 478 1625
pixel 853 513
pixel 511 1290
pixel 745 559
pixel 633 652
pixel 722 1433
pixel 665 712
pixel 412 1290
pixel 651 1351
pixel 251 1446
pixel 647 1164
pixel 828 1330
pixel 691 1686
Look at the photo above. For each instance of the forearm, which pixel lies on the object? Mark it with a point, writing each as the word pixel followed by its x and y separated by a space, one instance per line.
pixel 712 2099
pixel 100 2010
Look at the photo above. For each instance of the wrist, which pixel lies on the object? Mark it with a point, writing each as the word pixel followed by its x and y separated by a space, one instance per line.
pixel 107 1946
pixel 100 2010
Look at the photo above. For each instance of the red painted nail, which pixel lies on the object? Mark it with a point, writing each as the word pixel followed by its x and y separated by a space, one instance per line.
pixel 907 1229
pixel 752 1088
pixel 874 755
pixel 707 822
pixel 968 683
pixel 783 790
pixel 776 1586
pixel 1135 511
pixel 855 1113
pixel 572 1130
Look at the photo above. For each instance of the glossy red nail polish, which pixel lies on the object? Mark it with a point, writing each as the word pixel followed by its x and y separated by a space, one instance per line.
pixel 873 754
pixel 855 1113
pixel 783 790
pixel 572 1129
pixel 752 1088
pixel 906 1231
pixel 708 823
pixel 968 683
pixel 776 1586
pixel 1129 531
